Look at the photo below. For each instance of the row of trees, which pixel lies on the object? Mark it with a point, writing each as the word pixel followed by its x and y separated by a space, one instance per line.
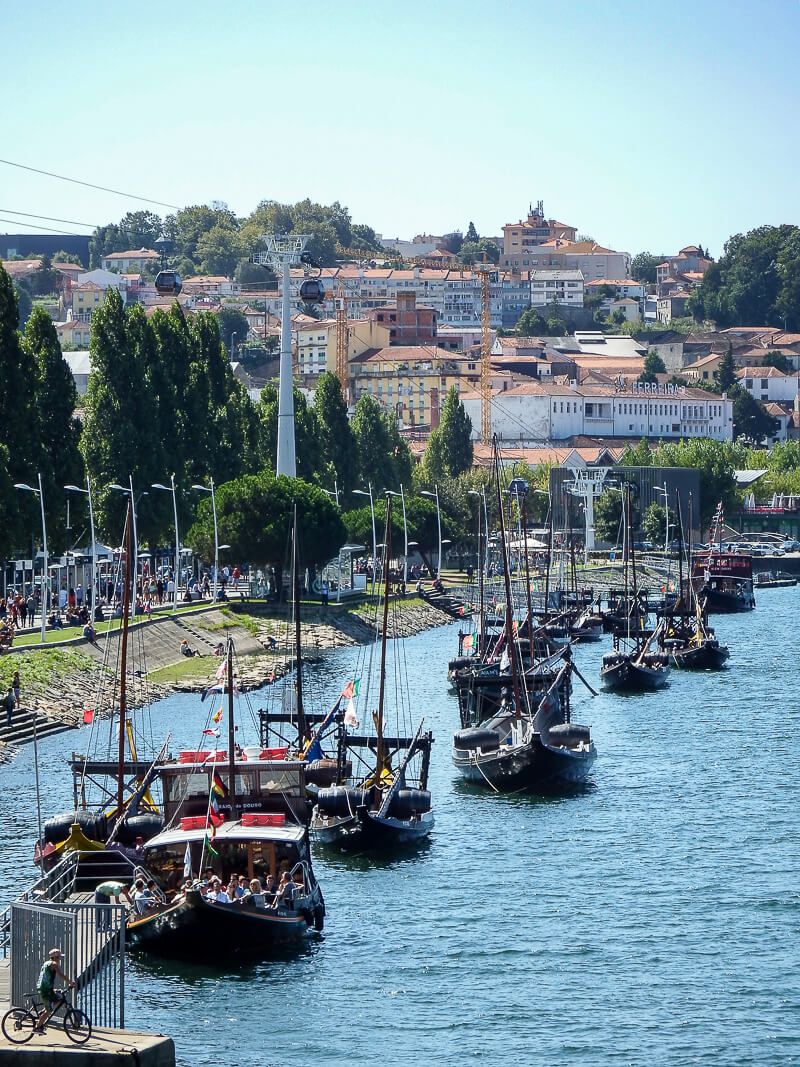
pixel 213 240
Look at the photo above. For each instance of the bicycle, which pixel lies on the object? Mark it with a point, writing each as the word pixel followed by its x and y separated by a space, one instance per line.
pixel 20 1024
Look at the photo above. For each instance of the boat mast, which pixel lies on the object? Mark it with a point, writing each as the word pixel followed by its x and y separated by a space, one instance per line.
pixel 549 555
pixel 302 728
pixel 231 733
pixel 527 574
pixel 123 667
pixel 481 615
pixel 512 652
pixel 387 539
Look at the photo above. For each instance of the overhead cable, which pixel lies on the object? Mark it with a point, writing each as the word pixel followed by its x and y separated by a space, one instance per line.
pixel 89 185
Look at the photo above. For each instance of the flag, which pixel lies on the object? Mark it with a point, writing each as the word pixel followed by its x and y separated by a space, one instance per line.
pixel 314 751
pixel 88 715
pixel 505 660
pixel 469 643
pixel 351 689
pixel 214 814
pixel 210 733
pixel 217 716
pixel 350 716
pixel 211 689
pixel 218 787
pixel 187 862
pixel 222 670
pixel 208 841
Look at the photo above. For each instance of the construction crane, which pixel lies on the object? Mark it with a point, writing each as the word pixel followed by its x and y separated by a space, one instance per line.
pixel 342 338
pixel 488 274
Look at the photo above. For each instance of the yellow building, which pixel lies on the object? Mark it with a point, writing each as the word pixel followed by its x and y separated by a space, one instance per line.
pixel 86 299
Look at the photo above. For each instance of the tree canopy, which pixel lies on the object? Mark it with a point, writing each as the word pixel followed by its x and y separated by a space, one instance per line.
pixel 643 267
pixel 653 365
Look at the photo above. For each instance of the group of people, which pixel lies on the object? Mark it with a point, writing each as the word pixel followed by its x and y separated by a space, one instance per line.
pixel 271 893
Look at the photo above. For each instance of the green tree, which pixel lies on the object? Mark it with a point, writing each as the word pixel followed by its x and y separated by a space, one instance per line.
pixel 58 429
pixel 254 274
pixel 455 430
pixel 479 251
pixel 24 302
pixel 232 321
pixel 471 234
pixel 219 250
pixel 750 418
pixel 336 441
pixel 433 467
pixel 530 324
pixel 714 461
pixel 725 374
pixel 653 365
pixel 643 267
pixel 255 515
pixel 10 526
pixel 17 396
pixel 608 516
pixel 639 455
pixel 779 361
pixel 364 238
pixel 373 445
pixel 66 257
pixel 654 523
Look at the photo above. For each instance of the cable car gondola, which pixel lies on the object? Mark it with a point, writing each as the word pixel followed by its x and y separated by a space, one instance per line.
pixel 311 291
pixel 168 283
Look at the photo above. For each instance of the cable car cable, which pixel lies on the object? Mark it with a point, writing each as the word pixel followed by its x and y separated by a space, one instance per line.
pixel 50 218
pixel 89 185
pixel 31 226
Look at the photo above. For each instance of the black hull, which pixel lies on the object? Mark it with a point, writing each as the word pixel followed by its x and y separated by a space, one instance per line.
pixel 705 657
pixel 366 831
pixel 720 603
pixel 531 767
pixel 205 930
pixel 626 676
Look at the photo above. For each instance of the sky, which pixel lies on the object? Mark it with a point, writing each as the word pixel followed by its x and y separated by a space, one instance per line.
pixel 648 127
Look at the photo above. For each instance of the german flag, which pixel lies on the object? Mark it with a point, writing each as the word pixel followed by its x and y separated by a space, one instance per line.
pixel 218 787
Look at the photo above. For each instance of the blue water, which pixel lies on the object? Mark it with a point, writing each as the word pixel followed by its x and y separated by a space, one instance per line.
pixel 651 919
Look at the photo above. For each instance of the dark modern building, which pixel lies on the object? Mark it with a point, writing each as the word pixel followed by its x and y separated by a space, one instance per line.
pixel 29 245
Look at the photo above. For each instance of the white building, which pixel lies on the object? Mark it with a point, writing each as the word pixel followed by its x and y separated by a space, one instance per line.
pixel 556 287
pixel 769 385
pixel 549 411
pixel 78 363
pixel 134 260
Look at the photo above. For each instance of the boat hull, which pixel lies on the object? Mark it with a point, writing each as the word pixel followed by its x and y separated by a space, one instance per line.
pixel 195 925
pixel 705 657
pixel 525 767
pixel 629 677
pixel 363 830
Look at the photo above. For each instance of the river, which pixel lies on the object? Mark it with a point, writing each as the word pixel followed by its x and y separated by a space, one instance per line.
pixel 650 919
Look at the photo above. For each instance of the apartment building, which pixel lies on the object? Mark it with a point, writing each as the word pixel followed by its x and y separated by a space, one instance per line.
pixel 520 237
pixel 134 260
pixel 546 411
pixel 556 287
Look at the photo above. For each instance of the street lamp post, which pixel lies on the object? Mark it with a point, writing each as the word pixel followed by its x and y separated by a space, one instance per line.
pixel 45 581
pixel 135 548
pixel 663 490
pixel 206 489
pixel 368 493
pixel 171 489
pixel 402 495
pixel 88 492
pixel 233 346
pixel 435 496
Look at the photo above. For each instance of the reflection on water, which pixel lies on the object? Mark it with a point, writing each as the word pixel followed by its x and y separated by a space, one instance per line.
pixel 649 919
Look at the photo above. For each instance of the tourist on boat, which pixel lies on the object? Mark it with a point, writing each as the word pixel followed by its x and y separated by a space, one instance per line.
pixel 286 890
pixel 215 893
pixel 143 899
pixel 102 896
pixel 254 895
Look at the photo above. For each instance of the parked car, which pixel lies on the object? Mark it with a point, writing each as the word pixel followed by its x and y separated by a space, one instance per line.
pixel 643 546
pixel 789 545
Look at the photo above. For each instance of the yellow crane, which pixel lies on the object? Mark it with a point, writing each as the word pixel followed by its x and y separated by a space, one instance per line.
pixel 488 275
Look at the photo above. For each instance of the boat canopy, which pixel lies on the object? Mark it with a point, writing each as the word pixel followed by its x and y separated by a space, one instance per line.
pixel 232 832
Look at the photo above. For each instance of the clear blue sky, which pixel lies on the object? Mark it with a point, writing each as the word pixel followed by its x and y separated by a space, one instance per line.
pixel 647 126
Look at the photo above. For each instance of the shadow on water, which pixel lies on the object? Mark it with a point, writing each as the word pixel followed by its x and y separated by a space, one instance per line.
pixel 234 964
pixel 389 860
pixel 527 798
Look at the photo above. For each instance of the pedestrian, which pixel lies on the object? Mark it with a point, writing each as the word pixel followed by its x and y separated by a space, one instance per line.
pixel 31 604
pixel 23 611
pixel 10 703
pixel 325 593
pixel 102 897
pixel 15 685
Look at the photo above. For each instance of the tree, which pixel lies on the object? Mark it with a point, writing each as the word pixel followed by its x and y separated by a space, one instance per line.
pixel 479 251
pixel 608 516
pixel 455 431
pixel 364 239
pixel 638 455
pixel 643 267
pixel 66 257
pixel 24 302
pixel 714 462
pixel 725 374
pixel 471 234
pixel 10 525
pixel 254 274
pixel 654 523
pixel 219 250
pixel 750 418
pixel 653 365
pixel 373 445
pixel 336 442
pixel 779 361
pixel 18 393
pixel 232 321
pixel 255 515
pixel 530 324
pixel 58 429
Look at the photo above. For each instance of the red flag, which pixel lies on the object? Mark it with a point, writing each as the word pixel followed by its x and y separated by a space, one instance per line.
pixel 210 733
pixel 88 715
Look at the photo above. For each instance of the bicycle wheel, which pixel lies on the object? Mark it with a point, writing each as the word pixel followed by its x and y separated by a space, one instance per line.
pixel 18 1024
pixel 77 1026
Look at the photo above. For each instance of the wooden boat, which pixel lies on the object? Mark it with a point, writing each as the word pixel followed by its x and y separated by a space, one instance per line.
pixel 631 667
pixel 524 743
pixel 724 580
pixel 390 806
pixel 773 580
pixel 231 814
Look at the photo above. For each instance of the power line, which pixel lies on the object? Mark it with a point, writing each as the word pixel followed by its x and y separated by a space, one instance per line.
pixel 30 225
pixel 89 185
pixel 50 218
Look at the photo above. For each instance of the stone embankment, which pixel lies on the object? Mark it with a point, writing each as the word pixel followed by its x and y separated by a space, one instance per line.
pixel 59 684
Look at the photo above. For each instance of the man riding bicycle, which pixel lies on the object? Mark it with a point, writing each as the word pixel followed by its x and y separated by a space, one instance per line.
pixel 51 969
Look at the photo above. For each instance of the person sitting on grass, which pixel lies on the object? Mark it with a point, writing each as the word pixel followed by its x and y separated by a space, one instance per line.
pixel 51 969
pixel 186 650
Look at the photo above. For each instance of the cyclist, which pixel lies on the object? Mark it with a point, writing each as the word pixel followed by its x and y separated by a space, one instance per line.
pixel 51 969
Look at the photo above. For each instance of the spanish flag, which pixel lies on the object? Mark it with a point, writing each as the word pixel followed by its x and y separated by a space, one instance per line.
pixel 217 716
